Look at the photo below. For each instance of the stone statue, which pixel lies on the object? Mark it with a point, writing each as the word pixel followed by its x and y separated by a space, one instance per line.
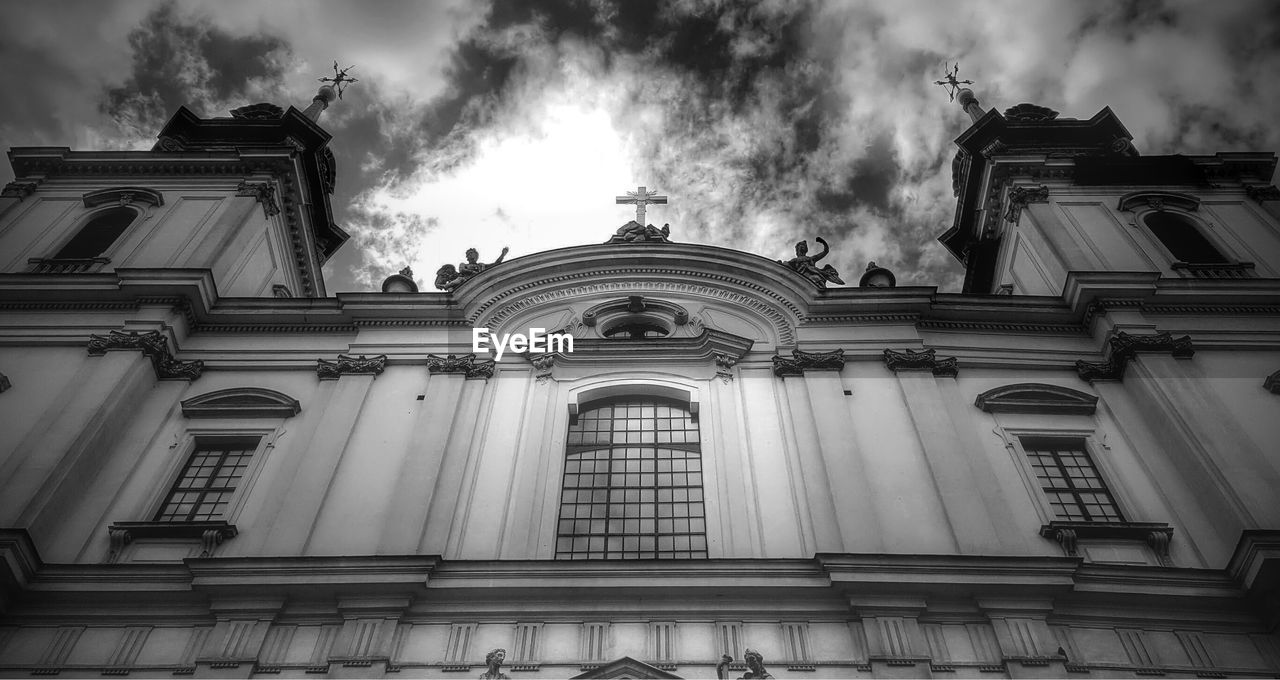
pixel 634 232
pixel 755 665
pixel 494 661
pixel 722 668
pixel 471 267
pixel 448 278
pixel 807 266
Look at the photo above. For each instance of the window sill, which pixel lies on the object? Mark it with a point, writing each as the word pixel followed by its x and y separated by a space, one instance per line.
pixel 211 534
pixel 1156 535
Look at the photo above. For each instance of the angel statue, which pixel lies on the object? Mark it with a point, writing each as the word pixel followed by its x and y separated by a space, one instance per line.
pixel 448 277
pixel 807 266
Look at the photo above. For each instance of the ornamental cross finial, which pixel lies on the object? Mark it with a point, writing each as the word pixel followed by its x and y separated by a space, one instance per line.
pixel 340 78
pixel 951 83
pixel 641 198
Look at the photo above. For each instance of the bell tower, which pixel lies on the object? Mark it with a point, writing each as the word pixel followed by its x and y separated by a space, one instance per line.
pixel 1039 196
pixel 246 197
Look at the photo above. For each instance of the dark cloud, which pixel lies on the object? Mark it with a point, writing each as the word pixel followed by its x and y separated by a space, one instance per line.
pixel 186 60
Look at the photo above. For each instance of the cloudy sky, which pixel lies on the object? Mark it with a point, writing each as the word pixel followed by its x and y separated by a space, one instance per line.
pixel 516 123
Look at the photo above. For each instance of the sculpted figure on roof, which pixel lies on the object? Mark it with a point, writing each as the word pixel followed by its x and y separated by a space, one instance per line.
pixel 807 266
pixel 448 278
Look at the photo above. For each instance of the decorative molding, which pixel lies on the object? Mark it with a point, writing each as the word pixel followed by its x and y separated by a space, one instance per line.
pixel 784 328
pixel 1036 398
pixel 155 346
pixel 912 360
pixel 259 111
pixel 349 365
pixel 724 365
pixel 123 196
pixel 4 382
pixel 211 534
pixel 280 290
pixel 1219 270
pixel 1124 346
pixel 264 192
pixel 1262 192
pixel 18 190
pixel 1271 384
pixel 1029 113
pixel 1021 196
pixel 241 402
pixel 465 364
pixel 1158 201
pixel 801 361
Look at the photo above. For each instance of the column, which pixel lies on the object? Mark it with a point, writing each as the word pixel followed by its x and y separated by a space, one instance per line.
pixel 416 483
pixel 842 462
pixel 68 444
pixel 314 463
pixel 960 489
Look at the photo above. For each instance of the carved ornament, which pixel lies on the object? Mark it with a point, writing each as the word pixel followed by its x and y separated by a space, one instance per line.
pixel 465 364
pixel 1030 113
pixel 4 382
pixel 1271 384
pixel 1158 201
pixel 349 365
pixel 634 232
pixel 1124 346
pixel 328 169
pixel 265 192
pixel 210 533
pixel 1156 535
pixel 155 346
pixel 1262 192
pixel 1021 196
pixel 801 361
pixel 123 196
pixel 241 402
pixel 259 111
pixel 928 359
pixel 18 190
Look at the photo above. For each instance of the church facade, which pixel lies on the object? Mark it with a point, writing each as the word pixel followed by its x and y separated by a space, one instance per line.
pixel 211 466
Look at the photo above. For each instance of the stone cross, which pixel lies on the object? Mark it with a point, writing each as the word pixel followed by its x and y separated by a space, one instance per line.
pixel 641 198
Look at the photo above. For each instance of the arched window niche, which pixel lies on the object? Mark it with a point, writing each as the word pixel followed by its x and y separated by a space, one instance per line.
pixel 1170 218
pixel 97 234
pixel 112 212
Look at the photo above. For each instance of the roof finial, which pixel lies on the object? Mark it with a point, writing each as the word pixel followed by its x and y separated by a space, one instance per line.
pixel 327 93
pixel 968 101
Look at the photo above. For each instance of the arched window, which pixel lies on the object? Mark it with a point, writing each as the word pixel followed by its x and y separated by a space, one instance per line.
pixel 632 483
pixel 97 234
pixel 1182 238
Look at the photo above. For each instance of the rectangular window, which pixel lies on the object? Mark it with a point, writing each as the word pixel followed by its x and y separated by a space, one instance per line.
pixel 204 489
pixel 632 484
pixel 1069 479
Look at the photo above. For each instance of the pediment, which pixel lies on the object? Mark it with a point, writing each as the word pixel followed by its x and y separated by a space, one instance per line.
pixel 241 402
pixel 1036 398
pixel 626 667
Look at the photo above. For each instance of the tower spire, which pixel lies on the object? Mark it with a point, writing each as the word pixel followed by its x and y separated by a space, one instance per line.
pixel 327 93
pixel 968 100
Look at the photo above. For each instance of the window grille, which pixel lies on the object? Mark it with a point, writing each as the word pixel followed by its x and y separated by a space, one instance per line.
pixel 1070 480
pixel 208 481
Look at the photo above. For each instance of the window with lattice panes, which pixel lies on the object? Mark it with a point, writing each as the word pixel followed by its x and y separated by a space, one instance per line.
pixel 632 483
pixel 204 489
pixel 1070 480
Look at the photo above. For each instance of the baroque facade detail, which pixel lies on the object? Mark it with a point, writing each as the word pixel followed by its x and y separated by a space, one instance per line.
pixel 1262 192
pixel 18 190
pixel 801 361
pixel 154 345
pixel 1124 345
pixel 349 365
pixel 927 359
pixel 264 192
pixel 1021 196
pixel 465 364
pixel 1272 383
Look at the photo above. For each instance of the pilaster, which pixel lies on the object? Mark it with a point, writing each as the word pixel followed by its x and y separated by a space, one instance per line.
pixel 896 647
pixel 841 460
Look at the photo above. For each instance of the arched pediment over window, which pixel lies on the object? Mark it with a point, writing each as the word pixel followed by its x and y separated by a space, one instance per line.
pixel 241 402
pixel 1036 398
